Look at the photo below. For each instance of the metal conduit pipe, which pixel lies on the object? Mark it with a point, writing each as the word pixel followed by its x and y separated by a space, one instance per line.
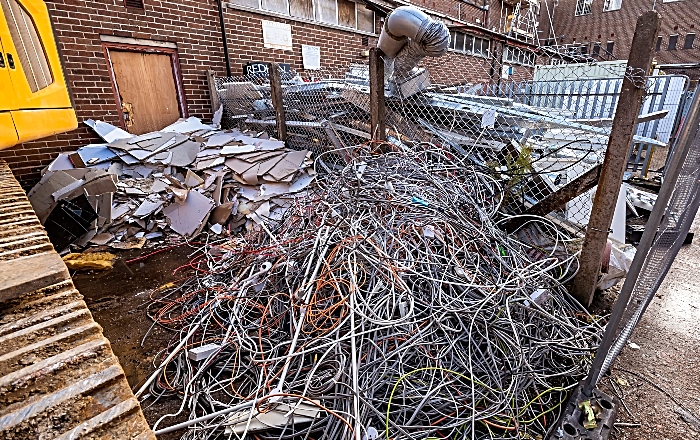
pixel 408 36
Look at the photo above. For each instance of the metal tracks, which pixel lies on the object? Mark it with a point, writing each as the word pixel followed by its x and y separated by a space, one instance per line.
pixel 58 376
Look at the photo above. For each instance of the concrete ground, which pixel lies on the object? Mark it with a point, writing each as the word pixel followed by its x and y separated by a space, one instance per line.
pixel 666 366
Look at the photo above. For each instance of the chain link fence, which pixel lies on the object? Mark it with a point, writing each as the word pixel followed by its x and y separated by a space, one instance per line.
pixel 533 117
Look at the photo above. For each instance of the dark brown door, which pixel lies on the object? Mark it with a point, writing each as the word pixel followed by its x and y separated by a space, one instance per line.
pixel 147 90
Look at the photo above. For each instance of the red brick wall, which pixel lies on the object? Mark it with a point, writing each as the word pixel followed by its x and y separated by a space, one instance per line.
pixel 680 17
pixel 193 25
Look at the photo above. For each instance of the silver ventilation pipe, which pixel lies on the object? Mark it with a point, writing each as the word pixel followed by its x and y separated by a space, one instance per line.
pixel 408 36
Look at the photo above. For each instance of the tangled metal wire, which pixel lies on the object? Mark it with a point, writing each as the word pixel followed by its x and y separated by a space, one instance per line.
pixel 385 304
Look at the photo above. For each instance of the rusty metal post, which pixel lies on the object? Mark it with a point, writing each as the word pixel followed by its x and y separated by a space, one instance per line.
pixel 377 109
pixel 624 125
pixel 277 100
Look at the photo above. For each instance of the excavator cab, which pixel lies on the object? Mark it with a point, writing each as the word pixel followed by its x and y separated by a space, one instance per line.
pixel 34 98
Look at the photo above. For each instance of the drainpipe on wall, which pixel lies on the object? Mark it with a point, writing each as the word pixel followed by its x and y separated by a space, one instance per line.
pixel 223 37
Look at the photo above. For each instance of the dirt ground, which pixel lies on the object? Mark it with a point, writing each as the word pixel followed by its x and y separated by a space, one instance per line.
pixel 667 362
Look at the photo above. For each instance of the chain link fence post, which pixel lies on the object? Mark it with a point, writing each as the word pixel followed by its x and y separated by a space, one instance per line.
pixel 623 129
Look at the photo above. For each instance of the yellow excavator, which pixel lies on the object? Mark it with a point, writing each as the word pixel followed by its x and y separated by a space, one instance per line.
pixel 34 98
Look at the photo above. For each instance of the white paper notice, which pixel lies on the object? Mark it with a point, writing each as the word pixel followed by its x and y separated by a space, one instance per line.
pixel 277 35
pixel 488 120
pixel 311 56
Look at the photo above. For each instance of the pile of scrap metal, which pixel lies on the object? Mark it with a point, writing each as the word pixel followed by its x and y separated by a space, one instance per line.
pixel 178 180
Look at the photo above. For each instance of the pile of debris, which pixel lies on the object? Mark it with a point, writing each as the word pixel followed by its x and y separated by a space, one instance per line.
pixel 180 179
pixel 386 303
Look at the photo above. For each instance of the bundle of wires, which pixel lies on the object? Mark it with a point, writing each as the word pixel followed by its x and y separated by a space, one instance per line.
pixel 385 304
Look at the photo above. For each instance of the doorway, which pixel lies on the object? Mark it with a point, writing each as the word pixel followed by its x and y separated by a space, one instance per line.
pixel 147 86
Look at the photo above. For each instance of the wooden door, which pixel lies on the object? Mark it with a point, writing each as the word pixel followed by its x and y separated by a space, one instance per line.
pixel 147 90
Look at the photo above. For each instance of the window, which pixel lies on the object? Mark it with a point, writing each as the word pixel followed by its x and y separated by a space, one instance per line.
pixel 612 5
pixel 137 4
pixel 596 49
pixel 584 49
pixel 610 47
pixel 516 55
pixel 583 7
pixel 659 42
pixel 346 13
pixel 672 41
pixel 689 40
pixel 469 44
pixel 26 40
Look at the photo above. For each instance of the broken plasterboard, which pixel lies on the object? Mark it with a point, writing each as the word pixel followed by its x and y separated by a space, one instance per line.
pixel 188 217
pixel 106 131
pixel 277 416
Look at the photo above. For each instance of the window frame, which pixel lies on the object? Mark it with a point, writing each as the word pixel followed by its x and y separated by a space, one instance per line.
pixel 672 42
pixel 510 57
pixel 689 36
pixel 316 14
pixel 480 53
pixel 583 7
pixel 612 5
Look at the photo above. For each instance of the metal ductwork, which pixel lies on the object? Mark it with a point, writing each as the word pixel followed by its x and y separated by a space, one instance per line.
pixel 408 36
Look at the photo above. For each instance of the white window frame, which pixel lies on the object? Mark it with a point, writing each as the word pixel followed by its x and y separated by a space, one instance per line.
pixel 316 15
pixel 473 38
pixel 612 5
pixel 511 55
pixel 583 7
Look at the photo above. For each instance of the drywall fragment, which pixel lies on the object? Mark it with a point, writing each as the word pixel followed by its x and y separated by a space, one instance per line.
pixel 192 180
pixel 102 239
pixel 231 150
pixel 147 208
pixel 187 126
pixel 188 217
pixel 220 139
pixel 144 137
pixel 221 213
pixel 106 131
pixel 184 154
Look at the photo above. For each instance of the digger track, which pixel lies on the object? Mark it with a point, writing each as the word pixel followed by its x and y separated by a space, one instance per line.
pixel 59 378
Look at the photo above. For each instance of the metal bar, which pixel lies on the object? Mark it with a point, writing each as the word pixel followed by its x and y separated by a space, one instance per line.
pixel 615 161
pixel 686 140
pixel 377 106
pixel 566 193
pixel 277 100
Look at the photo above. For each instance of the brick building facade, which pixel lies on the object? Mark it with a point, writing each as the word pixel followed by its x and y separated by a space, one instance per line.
pixel 189 32
pixel 610 25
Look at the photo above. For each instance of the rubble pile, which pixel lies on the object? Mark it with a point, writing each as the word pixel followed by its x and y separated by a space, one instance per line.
pixel 181 180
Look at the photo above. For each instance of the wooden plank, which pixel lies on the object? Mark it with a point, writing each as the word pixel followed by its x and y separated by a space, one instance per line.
pixel 26 274
pixel 559 198
pixel 346 13
pixel 377 106
pixel 621 134
pixel 146 83
pixel 301 8
pixel 277 100
pixel 213 95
